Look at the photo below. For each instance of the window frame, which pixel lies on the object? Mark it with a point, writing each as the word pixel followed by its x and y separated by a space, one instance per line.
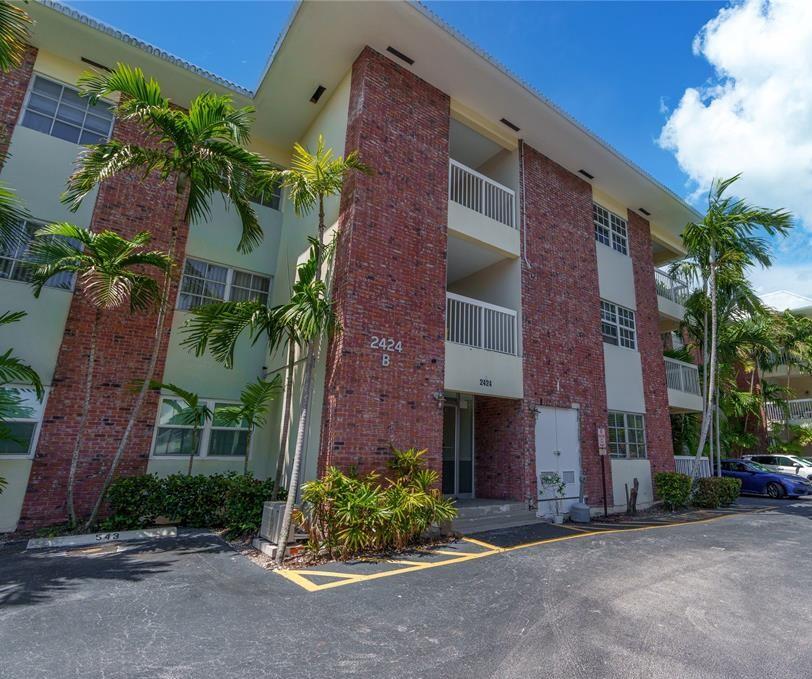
pixel 619 312
pixel 88 107
pixel 205 434
pixel 37 223
pixel 626 428
pixel 228 283
pixel 43 402
pixel 615 233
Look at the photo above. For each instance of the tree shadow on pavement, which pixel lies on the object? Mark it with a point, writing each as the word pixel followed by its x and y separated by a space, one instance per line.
pixel 30 577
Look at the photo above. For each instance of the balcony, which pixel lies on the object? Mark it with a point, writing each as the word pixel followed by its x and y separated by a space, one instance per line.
pixel 671 295
pixel 798 411
pixel 682 379
pixel 482 348
pixel 481 210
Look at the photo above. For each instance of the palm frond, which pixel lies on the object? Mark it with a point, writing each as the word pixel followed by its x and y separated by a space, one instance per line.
pixel 12 218
pixel 14 369
pixel 14 27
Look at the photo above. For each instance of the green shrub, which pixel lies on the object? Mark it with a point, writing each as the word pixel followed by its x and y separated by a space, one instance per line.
pixel 232 501
pixel 716 491
pixel 135 502
pixel 672 488
pixel 346 515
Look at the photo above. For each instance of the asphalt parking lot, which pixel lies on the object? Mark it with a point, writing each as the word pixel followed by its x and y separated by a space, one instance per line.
pixel 717 598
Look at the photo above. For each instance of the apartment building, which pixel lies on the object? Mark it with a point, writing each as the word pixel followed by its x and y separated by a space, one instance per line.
pixel 495 278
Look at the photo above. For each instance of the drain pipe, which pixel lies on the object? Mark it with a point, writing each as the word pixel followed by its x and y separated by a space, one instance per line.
pixel 523 220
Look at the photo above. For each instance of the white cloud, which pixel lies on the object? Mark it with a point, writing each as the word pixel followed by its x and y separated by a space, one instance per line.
pixel 794 278
pixel 755 116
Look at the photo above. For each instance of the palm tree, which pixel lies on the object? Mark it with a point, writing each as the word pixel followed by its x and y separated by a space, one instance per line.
pixel 14 26
pixel 201 151
pixel 111 273
pixel 252 411
pixel 191 411
pixel 217 327
pixel 721 247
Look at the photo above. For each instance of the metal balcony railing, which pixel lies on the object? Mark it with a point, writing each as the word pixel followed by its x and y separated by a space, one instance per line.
pixel 481 194
pixel 798 410
pixel 670 287
pixel 682 376
pixel 481 325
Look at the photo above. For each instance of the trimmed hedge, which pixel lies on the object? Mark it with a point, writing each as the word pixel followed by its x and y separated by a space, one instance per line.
pixel 714 491
pixel 673 489
pixel 231 501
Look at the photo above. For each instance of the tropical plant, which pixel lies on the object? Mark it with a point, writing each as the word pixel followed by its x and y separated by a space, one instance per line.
pixel 252 411
pixel 728 240
pixel 672 489
pixel 345 515
pixel 112 271
pixel 14 26
pixel 190 410
pixel 200 151
pixel 311 179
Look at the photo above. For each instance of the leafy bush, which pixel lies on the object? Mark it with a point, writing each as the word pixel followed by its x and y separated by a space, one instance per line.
pixel 716 491
pixel 347 515
pixel 672 488
pixel 229 501
pixel 135 502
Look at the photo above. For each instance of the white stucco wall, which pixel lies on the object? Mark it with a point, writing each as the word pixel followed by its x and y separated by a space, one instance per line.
pixel 624 379
pixel 623 473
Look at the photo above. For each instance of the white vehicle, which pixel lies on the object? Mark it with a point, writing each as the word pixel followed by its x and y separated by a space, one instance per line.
pixel 785 464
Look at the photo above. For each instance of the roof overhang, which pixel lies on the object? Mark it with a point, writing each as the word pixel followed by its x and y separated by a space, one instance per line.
pixel 319 46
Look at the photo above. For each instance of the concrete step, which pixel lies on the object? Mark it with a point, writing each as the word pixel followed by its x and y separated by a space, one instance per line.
pixel 472 510
pixel 486 523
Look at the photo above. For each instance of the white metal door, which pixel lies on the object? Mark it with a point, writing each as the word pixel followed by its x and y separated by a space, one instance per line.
pixel 558 451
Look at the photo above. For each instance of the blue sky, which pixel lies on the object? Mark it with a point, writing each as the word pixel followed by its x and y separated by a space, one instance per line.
pixel 621 68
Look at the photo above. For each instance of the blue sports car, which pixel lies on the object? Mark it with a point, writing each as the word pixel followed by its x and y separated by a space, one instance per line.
pixel 760 480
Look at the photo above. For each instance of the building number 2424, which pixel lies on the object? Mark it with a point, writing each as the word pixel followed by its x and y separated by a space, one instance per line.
pixel 386 344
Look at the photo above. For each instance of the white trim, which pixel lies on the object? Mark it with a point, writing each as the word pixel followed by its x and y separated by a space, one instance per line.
pixel 32 448
pixel 479 302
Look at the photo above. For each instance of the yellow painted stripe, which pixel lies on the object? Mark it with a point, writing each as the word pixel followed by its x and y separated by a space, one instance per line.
pixel 486 545
pixel 331 574
pixel 294 576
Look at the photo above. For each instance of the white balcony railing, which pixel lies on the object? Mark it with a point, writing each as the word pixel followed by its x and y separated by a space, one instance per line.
pixel 682 376
pixel 670 288
pixel 481 194
pixel 684 464
pixel 481 325
pixel 799 410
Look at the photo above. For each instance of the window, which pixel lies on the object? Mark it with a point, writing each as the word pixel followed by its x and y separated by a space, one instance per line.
pixel 617 325
pixel 174 436
pixel 59 111
pixel 627 435
pixel 23 421
pixel 15 261
pixel 204 283
pixel 271 198
pixel 610 229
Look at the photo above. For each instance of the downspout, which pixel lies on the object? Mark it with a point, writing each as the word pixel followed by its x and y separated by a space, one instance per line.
pixel 521 205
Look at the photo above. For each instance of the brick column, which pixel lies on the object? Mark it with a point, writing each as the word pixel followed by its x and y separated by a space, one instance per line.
pixel 563 345
pixel 13 86
pixel 649 344
pixel 390 272
pixel 127 204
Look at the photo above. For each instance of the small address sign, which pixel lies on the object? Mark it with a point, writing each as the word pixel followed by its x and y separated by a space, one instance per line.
pixel 385 345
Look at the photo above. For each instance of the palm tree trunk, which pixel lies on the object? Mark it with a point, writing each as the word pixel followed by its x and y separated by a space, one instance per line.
pixel 304 419
pixel 752 390
pixel 192 455
pixel 283 446
pixel 718 433
pixel 153 362
pixel 707 413
pixel 77 446
pixel 248 438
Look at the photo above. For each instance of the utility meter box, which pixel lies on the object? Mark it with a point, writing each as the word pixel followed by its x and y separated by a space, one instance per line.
pixel 271 526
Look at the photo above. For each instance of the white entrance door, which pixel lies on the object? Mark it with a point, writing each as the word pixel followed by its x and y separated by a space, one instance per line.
pixel 558 451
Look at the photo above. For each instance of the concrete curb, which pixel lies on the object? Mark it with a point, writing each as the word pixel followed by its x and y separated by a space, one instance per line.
pixel 101 538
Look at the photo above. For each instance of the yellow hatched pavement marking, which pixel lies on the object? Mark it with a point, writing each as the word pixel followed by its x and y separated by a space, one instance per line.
pixel 346 579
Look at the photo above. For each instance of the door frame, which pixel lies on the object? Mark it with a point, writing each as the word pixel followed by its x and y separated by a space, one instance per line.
pixel 579 471
pixel 453 401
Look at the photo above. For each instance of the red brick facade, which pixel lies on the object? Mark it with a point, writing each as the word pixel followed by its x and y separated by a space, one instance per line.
pixel 649 343
pixel 126 204
pixel 504 455
pixel 390 272
pixel 13 86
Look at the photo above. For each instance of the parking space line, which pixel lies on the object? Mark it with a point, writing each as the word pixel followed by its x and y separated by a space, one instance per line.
pixel 404 566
